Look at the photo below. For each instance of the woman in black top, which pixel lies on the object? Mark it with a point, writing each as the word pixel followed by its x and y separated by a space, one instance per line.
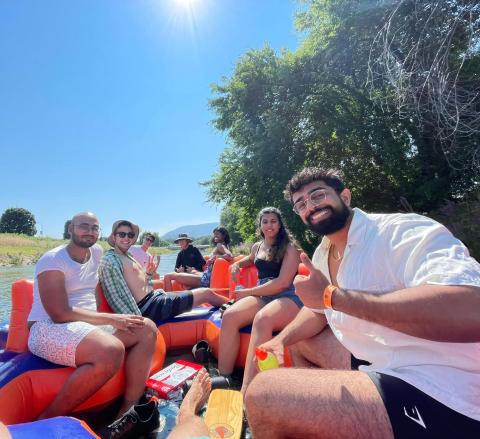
pixel 272 304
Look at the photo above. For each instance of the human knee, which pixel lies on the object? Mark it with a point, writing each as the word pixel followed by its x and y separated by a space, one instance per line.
pixel 148 334
pixel 262 322
pixel 230 319
pixel 110 356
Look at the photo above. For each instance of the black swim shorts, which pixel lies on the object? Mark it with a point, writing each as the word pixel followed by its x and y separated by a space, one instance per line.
pixel 160 306
pixel 413 414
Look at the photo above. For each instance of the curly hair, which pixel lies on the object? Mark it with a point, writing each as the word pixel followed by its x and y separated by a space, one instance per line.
pixel 332 177
pixel 283 239
pixel 226 236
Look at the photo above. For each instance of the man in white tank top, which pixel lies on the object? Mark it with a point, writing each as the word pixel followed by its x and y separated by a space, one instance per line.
pixel 66 329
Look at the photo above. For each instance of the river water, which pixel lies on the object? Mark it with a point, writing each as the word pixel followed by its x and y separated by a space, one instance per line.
pixel 8 275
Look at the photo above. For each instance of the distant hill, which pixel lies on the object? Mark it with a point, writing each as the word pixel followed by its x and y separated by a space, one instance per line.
pixel 194 231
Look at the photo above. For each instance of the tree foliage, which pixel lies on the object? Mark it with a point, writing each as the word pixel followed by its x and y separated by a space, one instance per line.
pixel 328 104
pixel 429 59
pixel 66 233
pixel 229 218
pixel 18 220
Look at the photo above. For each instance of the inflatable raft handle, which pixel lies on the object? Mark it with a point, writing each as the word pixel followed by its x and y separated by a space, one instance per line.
pixel 22 300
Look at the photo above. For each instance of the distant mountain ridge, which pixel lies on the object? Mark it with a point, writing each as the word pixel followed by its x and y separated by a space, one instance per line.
pixel 195 231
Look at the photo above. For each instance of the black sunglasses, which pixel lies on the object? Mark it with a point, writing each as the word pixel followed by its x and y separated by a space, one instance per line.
pixel 123 234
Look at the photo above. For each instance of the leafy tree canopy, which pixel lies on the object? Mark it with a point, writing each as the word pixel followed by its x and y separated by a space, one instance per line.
pixel 66 233
pixel 332 104
pixel 18 220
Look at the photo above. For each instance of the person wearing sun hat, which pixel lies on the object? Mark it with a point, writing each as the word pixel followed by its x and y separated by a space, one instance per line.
pixel 133 234
pixel 127 285
pixel 189 260
pixel 189 255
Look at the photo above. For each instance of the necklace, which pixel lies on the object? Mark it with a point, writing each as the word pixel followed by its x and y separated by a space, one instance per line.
pixel 79 260
pixel 337 257
pixel 267 248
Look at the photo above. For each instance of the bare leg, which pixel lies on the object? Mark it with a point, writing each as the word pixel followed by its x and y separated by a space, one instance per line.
pixel 98 356
pixel 189 423
pixel 167 281
pixel 322 350
pixel 141 346
pixel 206 295
pixel 306 403
pixel 272 317
pixel 236 317
pixel 188 280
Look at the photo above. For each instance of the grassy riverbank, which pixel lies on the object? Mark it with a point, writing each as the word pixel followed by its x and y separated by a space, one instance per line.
pixel 24 250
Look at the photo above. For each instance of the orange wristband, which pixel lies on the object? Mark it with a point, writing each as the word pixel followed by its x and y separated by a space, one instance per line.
pixel 327 295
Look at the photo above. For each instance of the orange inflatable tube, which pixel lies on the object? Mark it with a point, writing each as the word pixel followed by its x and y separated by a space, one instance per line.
pixel 29 384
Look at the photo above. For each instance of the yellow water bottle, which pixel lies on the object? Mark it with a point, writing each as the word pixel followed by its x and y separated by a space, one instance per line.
pixel 266 360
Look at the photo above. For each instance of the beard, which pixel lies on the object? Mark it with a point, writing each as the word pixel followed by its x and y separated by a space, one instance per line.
pixel 84 243
pixel 335 222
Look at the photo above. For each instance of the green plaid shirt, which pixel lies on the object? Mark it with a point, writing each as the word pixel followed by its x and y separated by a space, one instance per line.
pixel 113 283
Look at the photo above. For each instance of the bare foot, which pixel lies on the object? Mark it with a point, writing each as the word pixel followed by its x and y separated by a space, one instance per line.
pixel 197 396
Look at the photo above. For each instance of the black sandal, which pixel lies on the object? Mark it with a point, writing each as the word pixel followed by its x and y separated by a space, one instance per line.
pixel 225 306
pixel 202 352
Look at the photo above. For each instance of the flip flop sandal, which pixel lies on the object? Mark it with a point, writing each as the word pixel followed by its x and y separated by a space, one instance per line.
pixel 202 352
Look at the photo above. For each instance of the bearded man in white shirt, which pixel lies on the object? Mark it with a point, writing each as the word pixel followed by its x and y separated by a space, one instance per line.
pixel 398 291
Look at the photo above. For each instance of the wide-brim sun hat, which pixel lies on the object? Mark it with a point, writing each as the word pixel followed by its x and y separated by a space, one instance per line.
pixel 182 236
pixel 115 226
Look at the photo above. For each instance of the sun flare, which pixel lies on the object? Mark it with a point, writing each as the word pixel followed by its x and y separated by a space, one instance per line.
pixel 186 3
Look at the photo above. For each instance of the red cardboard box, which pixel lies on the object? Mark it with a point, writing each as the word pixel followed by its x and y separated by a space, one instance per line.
pixel 167 382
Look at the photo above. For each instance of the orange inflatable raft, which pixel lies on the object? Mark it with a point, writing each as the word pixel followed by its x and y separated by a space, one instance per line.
pixel 28 383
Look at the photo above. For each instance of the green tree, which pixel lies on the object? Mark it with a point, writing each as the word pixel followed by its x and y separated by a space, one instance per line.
pixel 66 233
pixel 321 106
pixel 18 220
pixel 203 240
pixel 230 219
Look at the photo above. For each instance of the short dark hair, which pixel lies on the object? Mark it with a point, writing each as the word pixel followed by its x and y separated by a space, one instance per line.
pixel 149 236
pixel 332 177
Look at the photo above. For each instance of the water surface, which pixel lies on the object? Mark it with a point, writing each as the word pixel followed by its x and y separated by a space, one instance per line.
pixel 8 275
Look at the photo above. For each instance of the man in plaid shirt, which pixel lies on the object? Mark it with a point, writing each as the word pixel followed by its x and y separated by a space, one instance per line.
pixel 128 288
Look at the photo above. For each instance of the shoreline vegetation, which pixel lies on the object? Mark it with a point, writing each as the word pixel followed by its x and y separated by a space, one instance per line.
pixel 18 249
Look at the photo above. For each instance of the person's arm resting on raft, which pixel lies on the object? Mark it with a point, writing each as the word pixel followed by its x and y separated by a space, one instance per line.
pixel 223 252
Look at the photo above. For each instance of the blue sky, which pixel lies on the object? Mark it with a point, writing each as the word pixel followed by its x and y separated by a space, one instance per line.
pixel 104 103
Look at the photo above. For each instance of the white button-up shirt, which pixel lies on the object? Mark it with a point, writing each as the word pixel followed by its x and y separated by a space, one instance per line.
pixel 388 252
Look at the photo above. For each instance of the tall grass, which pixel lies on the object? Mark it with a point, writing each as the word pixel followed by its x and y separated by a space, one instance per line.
pixel 21 249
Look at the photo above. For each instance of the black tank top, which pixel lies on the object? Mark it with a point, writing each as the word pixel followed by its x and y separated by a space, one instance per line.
pixel 266 268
